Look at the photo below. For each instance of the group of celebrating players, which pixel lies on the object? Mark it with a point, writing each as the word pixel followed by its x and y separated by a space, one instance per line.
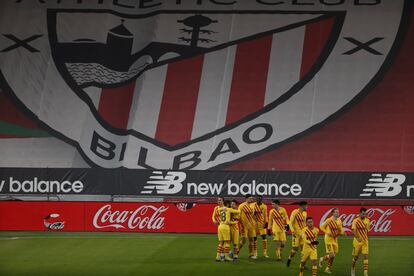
pixel 252 217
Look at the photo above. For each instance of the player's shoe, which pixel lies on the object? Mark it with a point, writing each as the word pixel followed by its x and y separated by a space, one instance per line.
pixel 254 257
pixel 279 260
pixel 218 259
pixel 266 256
pixel 288 262
pixel 235 257
pixel 352 271
pixel 320 262
pixel 228 259
pixel 328 271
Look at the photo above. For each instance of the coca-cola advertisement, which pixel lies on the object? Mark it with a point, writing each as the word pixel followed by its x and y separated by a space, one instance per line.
pixel 42 216
pixel 172 217
pixel 384 219
pixel 148 217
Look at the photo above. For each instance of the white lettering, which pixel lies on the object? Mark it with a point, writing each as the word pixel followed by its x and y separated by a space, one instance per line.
pixel 380 219
pixel 77 186
pixel 409 189
pixel 215 188
pixel 232 186
pixel 15 185
pixel 41 186
pixel 296 189
pixel 263 189
pixel 2 185
pixel 191 188
pixel 144 217
pixel 203 188
pixel 284 186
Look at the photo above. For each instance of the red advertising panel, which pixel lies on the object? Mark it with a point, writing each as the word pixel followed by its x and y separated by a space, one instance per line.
pixel 169 217
pixel 149 217
pixel 42 216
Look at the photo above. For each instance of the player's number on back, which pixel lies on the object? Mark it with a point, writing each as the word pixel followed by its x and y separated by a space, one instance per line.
pixel 222 216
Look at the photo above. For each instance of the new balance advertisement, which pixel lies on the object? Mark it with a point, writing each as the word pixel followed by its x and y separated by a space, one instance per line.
pixel 204 184
pixel 180 217
pixel 295 99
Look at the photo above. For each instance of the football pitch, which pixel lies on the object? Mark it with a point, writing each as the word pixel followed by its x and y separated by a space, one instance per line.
pixel 47 253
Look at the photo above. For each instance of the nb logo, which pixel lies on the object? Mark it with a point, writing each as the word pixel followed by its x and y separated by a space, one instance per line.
pixel 390 185
pixel 169 184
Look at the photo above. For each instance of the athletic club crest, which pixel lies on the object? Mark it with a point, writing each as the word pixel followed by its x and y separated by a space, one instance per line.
pixel 191 86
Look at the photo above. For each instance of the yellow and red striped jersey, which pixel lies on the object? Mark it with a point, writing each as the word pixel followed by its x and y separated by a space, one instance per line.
pixel 278 219
pixel 225 215
pixel 297 220
pixel 260 212
pixel 215 217
pixel 235 217
pixel 309 235
pixel 332 226
pixel 247 214
pixel 361 228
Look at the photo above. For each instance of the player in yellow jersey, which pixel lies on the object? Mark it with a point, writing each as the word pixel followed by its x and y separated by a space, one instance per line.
pixel 223 232
pixel 234 230
pixel 278 225
pixel 248 225
pixel 260 210
pixel 360 228
pixel 309 251
pixel 332 227
pixel 215 217
pixel 297 223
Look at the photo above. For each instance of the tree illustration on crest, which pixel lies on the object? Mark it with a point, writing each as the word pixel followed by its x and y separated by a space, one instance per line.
pixel 195 24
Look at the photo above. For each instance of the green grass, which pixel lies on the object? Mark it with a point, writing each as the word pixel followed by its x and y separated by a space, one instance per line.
pixel 41 253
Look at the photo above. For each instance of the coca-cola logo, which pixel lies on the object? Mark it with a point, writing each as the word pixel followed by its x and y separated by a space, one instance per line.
pixel 409 210
pixel 146 217
pixel 184 206
pixel 53 222
pixel 381 221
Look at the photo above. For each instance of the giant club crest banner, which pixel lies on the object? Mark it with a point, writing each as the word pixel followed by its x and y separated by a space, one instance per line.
pixel 192 84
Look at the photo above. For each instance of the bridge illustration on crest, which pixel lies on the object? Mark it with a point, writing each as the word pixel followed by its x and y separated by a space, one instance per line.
pixel 116 54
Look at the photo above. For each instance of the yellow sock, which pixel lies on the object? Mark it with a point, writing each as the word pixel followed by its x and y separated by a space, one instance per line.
pixel 219 251
pixel 354 260
pixel 264 242
pixel 301 267
pixel 236 249
pixel 226 250
pixel 365 265
pixel 330 263
pixel 241 244
pixel 314 270
pixel 292 254
pixel 255 248
pixel 278 256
